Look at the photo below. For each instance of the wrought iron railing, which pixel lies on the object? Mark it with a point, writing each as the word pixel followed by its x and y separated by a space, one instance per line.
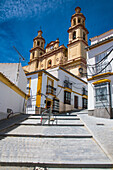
pixel 51 90
pixel 85 92
pixel 67 84
pixel 33 109
pixel 46 116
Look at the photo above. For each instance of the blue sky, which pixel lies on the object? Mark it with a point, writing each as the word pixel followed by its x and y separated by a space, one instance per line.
pixel 21 19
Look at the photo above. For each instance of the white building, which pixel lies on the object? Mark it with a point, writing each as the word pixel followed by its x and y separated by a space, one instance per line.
pixel 57 88
pixel 100 75
pixel 13 84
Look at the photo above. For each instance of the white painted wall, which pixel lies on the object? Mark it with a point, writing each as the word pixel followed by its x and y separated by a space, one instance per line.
pixel 102 37
pixel 15 73
pixel 22 80
pixel 91 60
pixel 10 71
pixel 77 86
pixel 9 99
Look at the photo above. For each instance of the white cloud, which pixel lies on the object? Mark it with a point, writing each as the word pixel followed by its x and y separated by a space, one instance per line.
pixel 27 8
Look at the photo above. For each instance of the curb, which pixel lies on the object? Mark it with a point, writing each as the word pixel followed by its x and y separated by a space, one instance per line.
pixel 59 165
pixel 28 124
pixel 47 136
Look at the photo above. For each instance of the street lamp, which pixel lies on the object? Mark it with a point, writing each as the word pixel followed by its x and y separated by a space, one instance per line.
pixel 81 72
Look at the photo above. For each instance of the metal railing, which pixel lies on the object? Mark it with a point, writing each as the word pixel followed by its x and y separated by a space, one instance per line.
pixel 51 90
pixel 46 116
pixel 85 92
pixel 34 109
pixel 67 84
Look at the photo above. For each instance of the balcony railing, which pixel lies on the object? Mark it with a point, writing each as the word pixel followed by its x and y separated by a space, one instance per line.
pixel 67 84
pixel 51 90
pixel 84 92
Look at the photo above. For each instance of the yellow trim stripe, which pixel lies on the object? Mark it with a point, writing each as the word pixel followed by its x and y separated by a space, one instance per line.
pixel 70 90
pixel 100 75
pixel 101 81
pixel 84 96
pixel 11 85
pixel 39 87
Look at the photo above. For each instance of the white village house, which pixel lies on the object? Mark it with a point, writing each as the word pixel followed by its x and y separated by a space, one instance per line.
pixel 13 84
pixel 56 88
pixel 100 75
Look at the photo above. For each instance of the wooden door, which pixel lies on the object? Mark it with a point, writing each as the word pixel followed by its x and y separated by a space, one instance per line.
pixel 76 102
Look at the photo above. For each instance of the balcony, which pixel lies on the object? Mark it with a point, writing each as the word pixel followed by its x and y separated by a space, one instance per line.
pixel 67 84
pixel 50 90
pixel 85 92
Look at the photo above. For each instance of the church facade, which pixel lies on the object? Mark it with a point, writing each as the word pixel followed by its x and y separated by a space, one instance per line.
pixel 71 58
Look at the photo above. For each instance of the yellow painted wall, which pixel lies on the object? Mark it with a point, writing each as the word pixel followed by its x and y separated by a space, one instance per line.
pixel 39 87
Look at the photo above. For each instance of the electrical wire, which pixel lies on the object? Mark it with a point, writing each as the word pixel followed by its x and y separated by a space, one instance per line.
pixel 101 59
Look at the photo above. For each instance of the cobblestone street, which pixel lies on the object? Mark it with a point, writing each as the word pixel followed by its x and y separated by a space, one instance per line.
pixel 73 141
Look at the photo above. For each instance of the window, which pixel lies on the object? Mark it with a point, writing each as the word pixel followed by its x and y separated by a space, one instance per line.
pixel 49 64
pixel 55 105
pixel 33 54
pixel 102 95
pixel 84 103
pixel 51 48
pixel 74 35
pixel 41 44
pixel 83 22
pixel 74 22
pixel 37 64
pixel 79 20
pixel 38 43
pixel 67 97
pixel 40 53
pixel 84 91
pixel 84 36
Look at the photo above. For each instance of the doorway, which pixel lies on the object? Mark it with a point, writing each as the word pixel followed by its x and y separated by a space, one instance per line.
pixel 48 104
pixel 76 102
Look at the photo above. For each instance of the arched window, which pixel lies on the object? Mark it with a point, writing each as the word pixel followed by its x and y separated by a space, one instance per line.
pixel 41 44
pixel 33 54
pixel 74 22
pixel 84 36
pixel 74 35
pixel 83 22
pixel 37 64
pixel 79 20
pixel 38 43
pixel 49 64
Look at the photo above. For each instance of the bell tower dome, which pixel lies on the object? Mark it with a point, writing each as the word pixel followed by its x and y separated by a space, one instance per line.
pixel 37 50
pixel 77 42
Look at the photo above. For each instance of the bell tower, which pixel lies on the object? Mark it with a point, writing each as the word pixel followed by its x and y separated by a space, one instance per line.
pixel 37 50
pixel 77 43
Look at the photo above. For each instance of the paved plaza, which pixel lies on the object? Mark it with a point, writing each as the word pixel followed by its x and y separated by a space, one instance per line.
pixel 75 141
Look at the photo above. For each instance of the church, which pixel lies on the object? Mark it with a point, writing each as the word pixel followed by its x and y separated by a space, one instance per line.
pixel 71 58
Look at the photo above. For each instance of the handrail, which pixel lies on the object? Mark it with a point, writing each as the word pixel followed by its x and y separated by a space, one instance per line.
pixel 47 116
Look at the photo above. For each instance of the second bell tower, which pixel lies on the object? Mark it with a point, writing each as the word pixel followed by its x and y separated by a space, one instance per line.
pixel 77 43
